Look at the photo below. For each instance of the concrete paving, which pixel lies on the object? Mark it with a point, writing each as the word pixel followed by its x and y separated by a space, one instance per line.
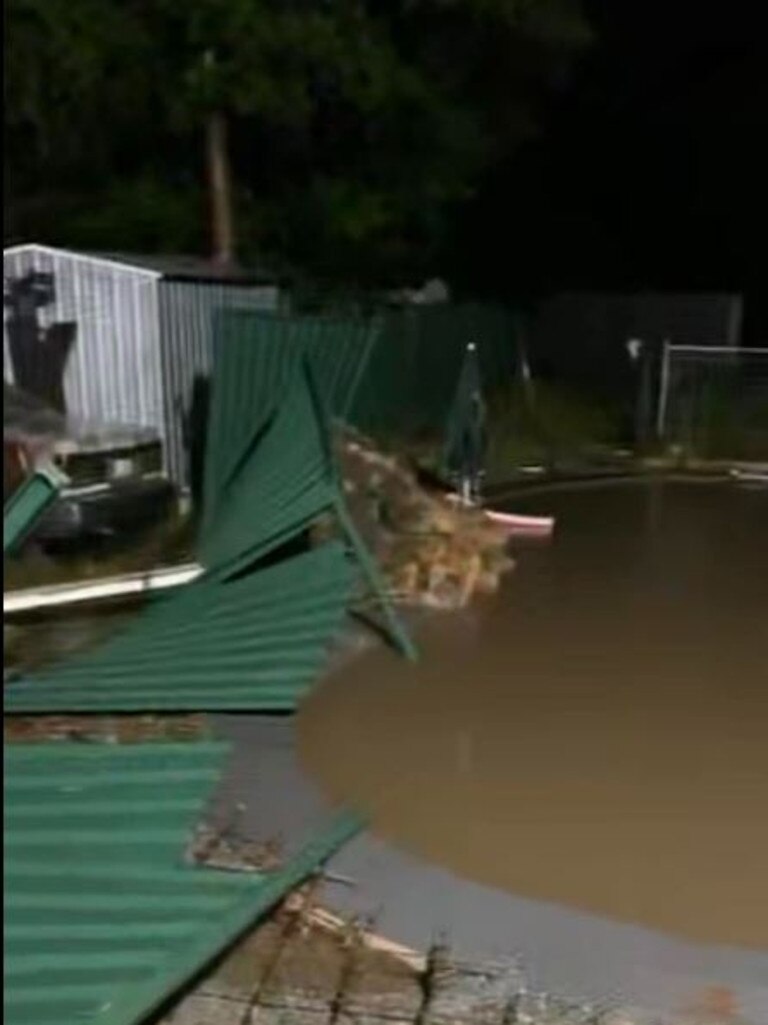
pixel 266 796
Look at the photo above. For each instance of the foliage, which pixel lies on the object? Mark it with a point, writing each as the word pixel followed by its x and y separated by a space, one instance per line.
pixel 723 424
pixel 356 125
pixel 548 424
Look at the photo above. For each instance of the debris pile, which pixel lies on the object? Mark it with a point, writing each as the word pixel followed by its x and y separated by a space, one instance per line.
pixel 434 551
pixel 104 729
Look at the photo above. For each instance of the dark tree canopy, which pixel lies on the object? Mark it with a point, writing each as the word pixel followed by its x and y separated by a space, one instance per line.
pixel 355 128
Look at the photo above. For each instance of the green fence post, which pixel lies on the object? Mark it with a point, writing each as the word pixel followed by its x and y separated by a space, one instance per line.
pixel 28 503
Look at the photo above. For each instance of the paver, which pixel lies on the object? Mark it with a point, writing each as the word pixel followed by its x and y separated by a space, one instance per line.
pixel 308 973
pixel 240 974
pixel 462 993
pixel 199 1009
pixel 381 986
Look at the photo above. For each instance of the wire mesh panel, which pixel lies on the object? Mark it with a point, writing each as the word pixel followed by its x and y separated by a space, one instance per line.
pixel 713 402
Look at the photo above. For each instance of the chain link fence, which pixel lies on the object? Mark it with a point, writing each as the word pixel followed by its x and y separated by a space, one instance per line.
pixel 713 402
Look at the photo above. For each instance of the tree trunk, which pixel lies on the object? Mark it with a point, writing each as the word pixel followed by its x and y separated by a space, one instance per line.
pixel 220 186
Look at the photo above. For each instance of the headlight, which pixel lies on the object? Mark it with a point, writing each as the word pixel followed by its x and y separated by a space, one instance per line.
pixel 121 468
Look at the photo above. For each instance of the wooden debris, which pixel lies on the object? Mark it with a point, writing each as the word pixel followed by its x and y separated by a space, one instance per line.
pixel 101 729
pixel 217 848
pixel 308 966
pixel 434 552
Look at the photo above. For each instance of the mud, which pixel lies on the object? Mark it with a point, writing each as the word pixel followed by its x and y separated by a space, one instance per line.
pixel 595 734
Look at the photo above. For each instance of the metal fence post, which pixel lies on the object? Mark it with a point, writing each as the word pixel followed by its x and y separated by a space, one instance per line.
pixel 661 411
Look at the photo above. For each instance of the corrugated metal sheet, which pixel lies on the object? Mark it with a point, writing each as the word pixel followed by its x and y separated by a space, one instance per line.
pixel 255 643
pixel 256 356
pixel 102 919
pixel 251 642
pixel 28 503
pixel 411 378
pixel 114 371
pixel 141 340
pixel 286 477
pixel 290 476
pixel 187 311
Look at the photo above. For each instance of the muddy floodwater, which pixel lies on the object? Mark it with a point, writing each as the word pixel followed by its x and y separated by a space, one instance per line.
pixel 597 733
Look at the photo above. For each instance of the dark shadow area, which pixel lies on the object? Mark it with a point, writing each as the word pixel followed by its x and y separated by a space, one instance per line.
pixel 38 355
pixel 295 546
pixel 195 427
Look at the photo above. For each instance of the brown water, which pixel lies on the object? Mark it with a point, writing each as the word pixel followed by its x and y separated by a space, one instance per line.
pixel 597 734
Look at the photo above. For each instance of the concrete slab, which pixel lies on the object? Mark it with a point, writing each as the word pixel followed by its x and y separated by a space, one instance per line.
pixel 264 796
pixel 199 1009
pixel 580 957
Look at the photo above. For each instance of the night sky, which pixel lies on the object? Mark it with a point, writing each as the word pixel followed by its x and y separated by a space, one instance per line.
pixel 650 168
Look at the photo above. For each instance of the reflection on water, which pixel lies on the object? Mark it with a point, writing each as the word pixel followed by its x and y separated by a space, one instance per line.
pixel 596 735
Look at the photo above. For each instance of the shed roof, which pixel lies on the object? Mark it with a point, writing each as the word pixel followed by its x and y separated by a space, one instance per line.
pixel 176 267
pixel 192 268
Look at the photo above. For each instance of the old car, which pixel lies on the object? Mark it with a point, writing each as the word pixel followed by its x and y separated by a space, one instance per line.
pixel 116 484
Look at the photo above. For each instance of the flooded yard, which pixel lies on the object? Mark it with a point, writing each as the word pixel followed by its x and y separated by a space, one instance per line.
pixel 595 734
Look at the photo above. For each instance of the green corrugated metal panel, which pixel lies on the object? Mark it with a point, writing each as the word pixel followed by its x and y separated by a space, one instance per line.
pixel 27 504
pixel 252 642
pixel 255 643
pixel 255 356
pixel 186 311
pixel 282 485
pixel 102 919
pixel 376 584
pixel 411 377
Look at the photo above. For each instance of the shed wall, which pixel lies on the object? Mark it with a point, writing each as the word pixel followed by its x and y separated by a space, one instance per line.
pixel 186 317
pixel 113 372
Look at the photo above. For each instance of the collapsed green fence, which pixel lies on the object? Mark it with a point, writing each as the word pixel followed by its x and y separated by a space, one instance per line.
pixel 393 377
pixel 103 916
pixel 243 637
pixel 256 354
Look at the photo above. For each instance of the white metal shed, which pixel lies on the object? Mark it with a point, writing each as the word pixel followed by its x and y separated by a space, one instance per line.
pixel 141 328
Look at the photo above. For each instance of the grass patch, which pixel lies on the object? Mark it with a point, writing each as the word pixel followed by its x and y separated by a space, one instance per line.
pixel 548 424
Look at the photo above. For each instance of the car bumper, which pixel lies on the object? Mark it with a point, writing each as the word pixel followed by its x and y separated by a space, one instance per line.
pixel 109 510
